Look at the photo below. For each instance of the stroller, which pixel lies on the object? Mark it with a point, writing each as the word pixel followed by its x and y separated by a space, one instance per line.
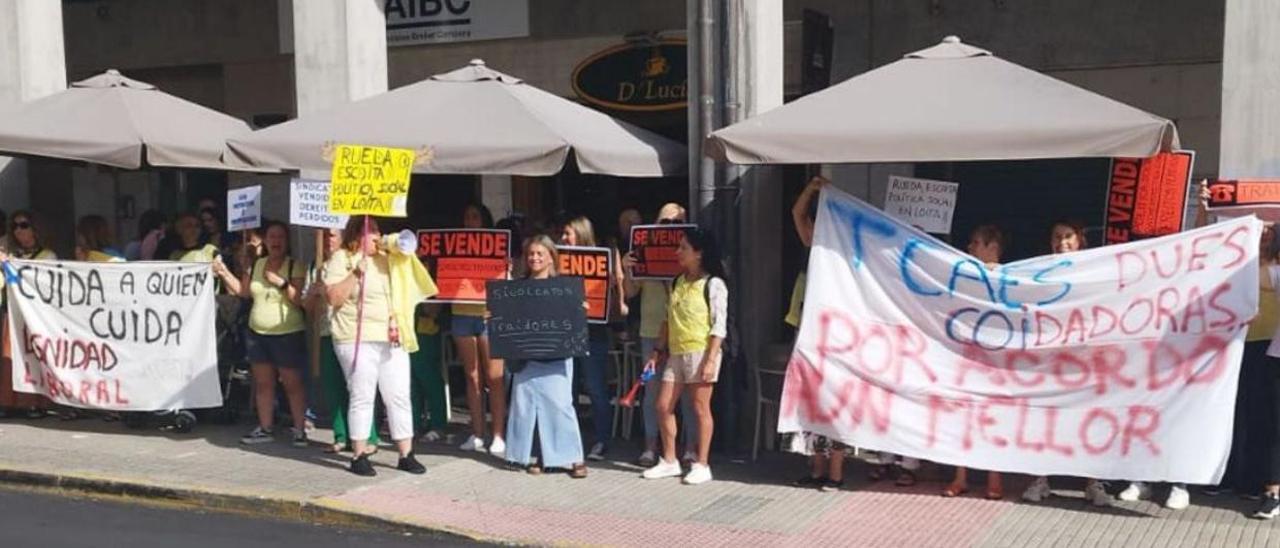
pixel 230 323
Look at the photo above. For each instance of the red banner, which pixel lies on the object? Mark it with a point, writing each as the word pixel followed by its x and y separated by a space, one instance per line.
pixel 461 260
pixel 1147 197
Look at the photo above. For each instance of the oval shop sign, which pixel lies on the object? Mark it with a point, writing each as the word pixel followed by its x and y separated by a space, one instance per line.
pixel 643 77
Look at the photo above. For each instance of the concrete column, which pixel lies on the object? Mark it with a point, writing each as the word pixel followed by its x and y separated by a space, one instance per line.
pixel 339 56
pixel 495 194
pixel 32 65
pixel 1250 90
pixel 758 66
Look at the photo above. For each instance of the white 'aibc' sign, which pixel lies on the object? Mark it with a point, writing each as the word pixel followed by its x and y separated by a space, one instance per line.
pixel 925 203
pixel 412 22
pixel 309 205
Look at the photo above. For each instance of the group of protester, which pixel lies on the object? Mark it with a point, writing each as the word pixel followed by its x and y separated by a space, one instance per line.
pixel 381 342
pixel 1253 469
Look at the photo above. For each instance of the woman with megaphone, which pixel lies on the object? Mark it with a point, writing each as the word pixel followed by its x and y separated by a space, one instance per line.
pixel 373 286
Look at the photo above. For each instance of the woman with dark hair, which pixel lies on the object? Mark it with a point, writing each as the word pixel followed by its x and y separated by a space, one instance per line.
pixel 370 302
pixel 277 344
pixel 471 340
pixel 542 393
pixel 697 323
pixel 24 243
pixel 94 242
pixel 150 231
pixel 1067 236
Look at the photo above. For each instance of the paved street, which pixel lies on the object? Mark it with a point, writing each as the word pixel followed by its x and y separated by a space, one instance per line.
pixel 40 518
pixel 746 505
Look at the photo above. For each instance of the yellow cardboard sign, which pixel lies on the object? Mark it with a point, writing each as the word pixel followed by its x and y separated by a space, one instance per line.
pixel 370 180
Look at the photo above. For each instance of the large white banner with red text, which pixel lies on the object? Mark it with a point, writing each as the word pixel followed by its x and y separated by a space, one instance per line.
pixel 122 336
pixel 1117 362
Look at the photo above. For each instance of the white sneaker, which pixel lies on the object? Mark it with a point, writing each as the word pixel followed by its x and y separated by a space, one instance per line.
pixel 665 469
pixel 698 473
pixel 1179 498
pixel 1037 491
pixel 1096 494
pixel 1136 491
pixel 431 436
pixel 498 448
pixel 472 444
pixel 597 452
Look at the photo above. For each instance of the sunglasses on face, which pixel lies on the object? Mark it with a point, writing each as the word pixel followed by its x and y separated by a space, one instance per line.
pixel 24 225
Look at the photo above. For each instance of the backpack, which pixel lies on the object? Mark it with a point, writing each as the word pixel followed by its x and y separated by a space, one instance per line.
pixel 729 348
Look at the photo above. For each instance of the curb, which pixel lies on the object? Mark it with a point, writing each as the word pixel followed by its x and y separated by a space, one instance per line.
pixel 303 511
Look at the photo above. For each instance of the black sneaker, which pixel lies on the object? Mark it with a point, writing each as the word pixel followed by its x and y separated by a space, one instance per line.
pixel 300 438
pixel 1269 509
pixel 809 481
pixel 831 486
pixel 361 466
pixel 411 465
pixel 258 435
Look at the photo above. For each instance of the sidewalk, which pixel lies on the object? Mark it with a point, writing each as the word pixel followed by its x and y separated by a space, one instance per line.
pixel 475 495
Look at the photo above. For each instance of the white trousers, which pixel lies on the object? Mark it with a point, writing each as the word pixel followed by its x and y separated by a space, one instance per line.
pixel 384 368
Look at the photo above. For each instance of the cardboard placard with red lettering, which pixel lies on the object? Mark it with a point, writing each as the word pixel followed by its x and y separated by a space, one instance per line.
pixel 654 248
pixel 593 265
pixel 1236 197
pixel 462 260
pixel 1147 197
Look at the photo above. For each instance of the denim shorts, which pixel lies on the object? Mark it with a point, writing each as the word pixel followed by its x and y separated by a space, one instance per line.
pixel 468 326
pixel 288 350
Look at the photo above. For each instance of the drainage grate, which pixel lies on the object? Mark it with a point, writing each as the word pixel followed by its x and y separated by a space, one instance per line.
pixel 729 509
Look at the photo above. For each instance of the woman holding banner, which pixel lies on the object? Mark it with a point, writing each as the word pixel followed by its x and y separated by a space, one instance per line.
pixel 277 343
pixel 697 323
pixel 93 241
pixel 653 310
pixel 1067 236
pixel 542 393
pixel 373 293
pixel 595 368
pixel 24 243
pixel 471 340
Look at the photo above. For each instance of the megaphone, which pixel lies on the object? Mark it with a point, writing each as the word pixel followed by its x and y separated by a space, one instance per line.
pixel 404 242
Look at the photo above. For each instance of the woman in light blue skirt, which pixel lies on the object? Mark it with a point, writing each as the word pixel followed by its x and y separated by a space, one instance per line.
pixel 542 393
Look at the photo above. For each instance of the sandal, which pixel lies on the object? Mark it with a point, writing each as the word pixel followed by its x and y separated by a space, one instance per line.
pixel 906 479
pixel 954 490
pixel 579 471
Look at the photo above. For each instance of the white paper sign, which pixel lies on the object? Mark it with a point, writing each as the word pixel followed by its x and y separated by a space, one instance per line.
pixel 925 203
pixel 309 205
pixel 121 336
pixel 244 208
pixel 412 22
pixel 1119 362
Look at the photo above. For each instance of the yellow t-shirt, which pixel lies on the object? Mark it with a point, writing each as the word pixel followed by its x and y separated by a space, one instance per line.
pixel 377 298
pixel 689 317
pixel 653 308
pixel 202 254
pixel 95 256
pixel 272 313
pixel 472 310
pixel 1263 327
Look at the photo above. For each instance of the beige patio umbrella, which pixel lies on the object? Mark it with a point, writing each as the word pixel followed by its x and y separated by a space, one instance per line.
pixel 950 102
pixel 473 120
pixel 116 121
